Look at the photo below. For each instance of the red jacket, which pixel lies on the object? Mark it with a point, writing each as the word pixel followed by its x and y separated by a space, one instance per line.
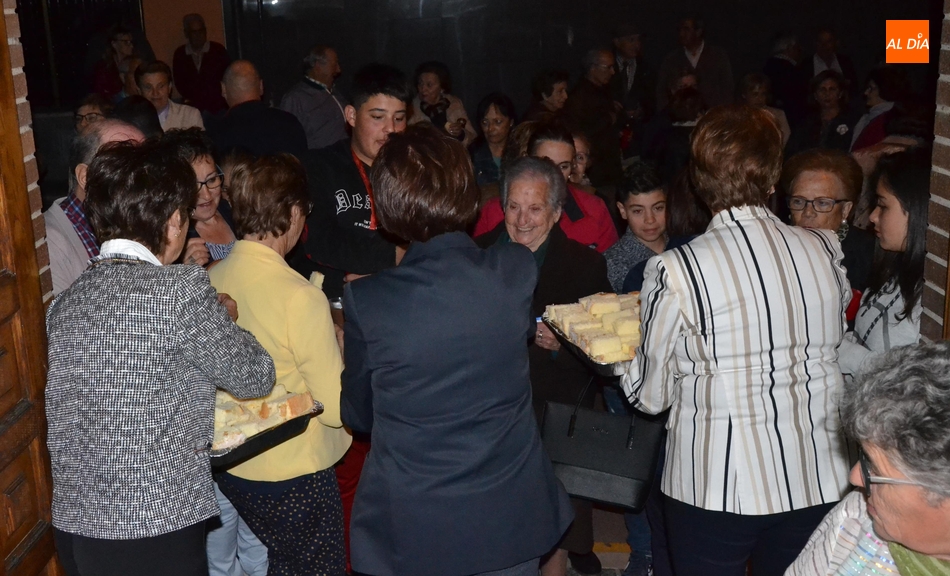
pixel 585 219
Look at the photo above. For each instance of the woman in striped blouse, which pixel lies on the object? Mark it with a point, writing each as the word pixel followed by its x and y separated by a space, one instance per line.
pixel 740 334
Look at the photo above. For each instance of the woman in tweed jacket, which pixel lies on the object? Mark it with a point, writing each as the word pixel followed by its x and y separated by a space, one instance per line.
pixel 136 349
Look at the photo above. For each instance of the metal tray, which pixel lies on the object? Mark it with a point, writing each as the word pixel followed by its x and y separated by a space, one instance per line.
pixel 600 368
pixel 227 457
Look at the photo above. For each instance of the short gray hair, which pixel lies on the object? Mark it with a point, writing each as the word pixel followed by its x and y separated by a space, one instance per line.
pixel 316 54
pixel 529 167
pixel 591 57
pixel 84 146
pixel 902 405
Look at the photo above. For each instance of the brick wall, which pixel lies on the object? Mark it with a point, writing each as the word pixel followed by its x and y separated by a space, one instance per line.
pixel 28 146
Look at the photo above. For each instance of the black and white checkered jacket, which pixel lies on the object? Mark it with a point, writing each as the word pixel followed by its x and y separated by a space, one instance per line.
pixel 135 353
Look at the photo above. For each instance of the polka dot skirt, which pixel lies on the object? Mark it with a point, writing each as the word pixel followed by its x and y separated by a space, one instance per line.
pixel 302 526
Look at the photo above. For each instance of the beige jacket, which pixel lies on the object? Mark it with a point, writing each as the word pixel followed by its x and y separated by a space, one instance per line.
pixel 182 116
pixel 455 112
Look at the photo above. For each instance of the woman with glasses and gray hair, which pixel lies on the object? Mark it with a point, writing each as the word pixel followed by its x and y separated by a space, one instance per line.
pixel 211 234
pixel 898 520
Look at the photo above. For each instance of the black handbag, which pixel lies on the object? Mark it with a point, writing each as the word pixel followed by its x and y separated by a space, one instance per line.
pixel 607 458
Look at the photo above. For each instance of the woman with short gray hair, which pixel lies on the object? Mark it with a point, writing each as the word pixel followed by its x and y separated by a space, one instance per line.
pixel 900 414
pixel 533 191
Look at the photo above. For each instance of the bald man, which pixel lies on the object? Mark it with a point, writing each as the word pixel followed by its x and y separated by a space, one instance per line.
pixel 69 237
pixel 250 125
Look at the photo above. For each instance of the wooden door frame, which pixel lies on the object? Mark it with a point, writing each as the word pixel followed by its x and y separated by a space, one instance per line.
pixel 24 426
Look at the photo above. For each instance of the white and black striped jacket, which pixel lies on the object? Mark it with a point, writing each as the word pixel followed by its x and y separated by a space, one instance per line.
pixel 135 353
pixel 741 328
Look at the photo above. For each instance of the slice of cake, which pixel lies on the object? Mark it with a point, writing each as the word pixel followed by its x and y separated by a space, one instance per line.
pixel 611 317
pixel 627 326
pixel 601 303
pixel 557 311
pixel 613 357
pixel 227 437
pixel 578 330
pixel 569 320
pixel 629 301
pixel 629 344
pixel 602 345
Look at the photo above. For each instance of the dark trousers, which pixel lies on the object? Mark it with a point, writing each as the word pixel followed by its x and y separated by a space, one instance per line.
pixel 709 543
pixel 178 553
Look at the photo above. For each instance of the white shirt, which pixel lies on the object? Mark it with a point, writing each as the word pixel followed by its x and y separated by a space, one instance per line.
pixel 693 57
pixel 740 334
pixel 121 247
pixel 821 65
pixel 879 326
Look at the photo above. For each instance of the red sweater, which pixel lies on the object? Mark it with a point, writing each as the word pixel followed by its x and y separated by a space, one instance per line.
pixel 585 219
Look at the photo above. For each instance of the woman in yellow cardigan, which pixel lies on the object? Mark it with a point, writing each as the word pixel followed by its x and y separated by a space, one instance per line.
pixel 288 495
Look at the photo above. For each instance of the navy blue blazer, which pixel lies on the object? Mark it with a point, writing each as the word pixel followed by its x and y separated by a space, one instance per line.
pixel 436 357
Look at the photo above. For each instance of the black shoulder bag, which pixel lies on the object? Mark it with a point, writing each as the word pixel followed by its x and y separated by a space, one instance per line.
pixel 608 458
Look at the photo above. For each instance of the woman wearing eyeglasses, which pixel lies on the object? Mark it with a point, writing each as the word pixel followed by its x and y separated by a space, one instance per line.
pixel 821 187
pixel 211 235
pixel 898 521
pixel 890 310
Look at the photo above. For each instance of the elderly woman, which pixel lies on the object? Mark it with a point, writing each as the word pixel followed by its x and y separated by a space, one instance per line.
pixel 586 218
pixel 211 235
pixel 548 94
pixel 434 103
pixel 828 124
pixel 740 334
pixel 495 117
pixel 288 494
pixel 533 193
pixel 755 90
pixel 821 188
pixel 898 522
pixel 457 482
pixel 891 307
pixel 136 349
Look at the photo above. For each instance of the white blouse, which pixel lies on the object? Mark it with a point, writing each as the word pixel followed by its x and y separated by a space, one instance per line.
pixel 879 326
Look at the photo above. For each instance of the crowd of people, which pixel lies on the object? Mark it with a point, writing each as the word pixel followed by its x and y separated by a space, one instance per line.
pixel 776 236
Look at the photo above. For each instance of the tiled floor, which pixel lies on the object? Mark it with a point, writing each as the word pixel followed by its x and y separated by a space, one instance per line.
pixel 610 542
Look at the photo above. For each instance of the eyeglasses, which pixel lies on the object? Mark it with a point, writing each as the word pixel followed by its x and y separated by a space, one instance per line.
pixel 797 203
pixel 122 40
pixel 212 183
pixel 867 479
pixel 88 118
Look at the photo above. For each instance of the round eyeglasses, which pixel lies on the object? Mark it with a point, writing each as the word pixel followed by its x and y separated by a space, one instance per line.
pixel 797 203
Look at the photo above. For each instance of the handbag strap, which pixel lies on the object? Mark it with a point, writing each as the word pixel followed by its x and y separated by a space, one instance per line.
pixel 580 400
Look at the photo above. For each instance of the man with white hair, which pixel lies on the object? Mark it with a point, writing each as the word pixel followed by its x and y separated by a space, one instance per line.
pixel 198 67
pixel 69 237
pixel 314 102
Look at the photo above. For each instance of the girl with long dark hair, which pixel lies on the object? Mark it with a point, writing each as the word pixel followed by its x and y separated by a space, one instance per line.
pixel 890 309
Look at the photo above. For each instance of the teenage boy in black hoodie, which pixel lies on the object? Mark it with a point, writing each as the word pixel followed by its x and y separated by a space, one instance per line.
pixel 342 238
